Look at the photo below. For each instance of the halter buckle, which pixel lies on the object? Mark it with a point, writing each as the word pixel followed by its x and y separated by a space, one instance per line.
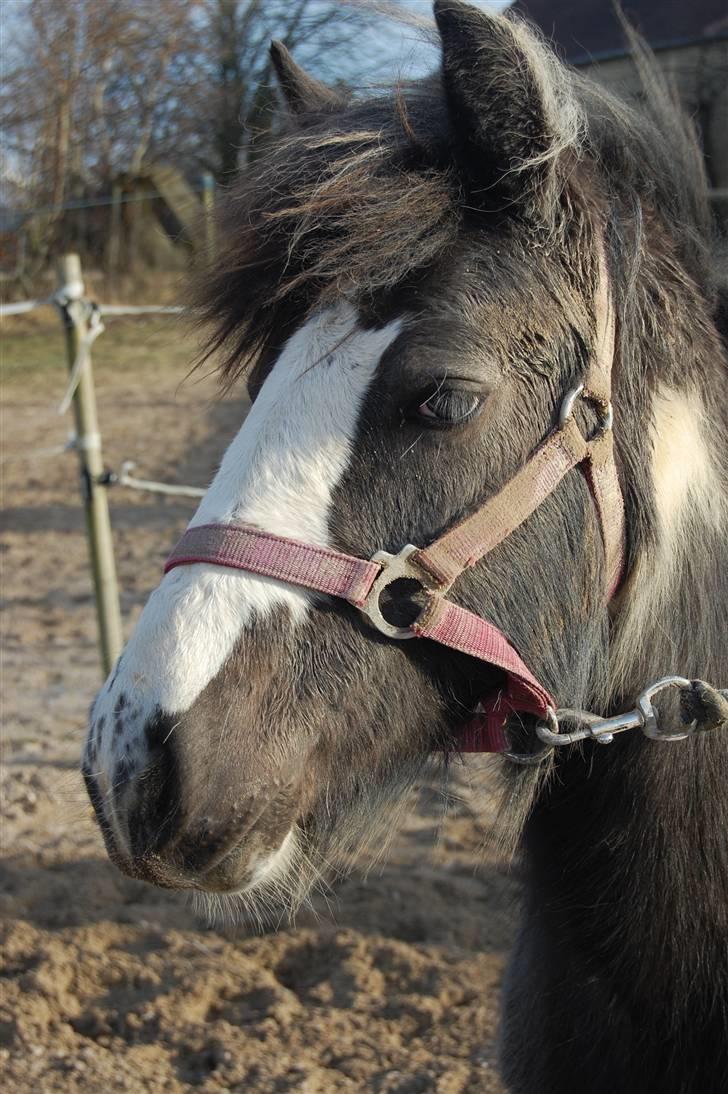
pixel 394 567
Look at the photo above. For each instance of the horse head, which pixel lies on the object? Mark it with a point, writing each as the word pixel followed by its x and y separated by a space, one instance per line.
pixel 411 286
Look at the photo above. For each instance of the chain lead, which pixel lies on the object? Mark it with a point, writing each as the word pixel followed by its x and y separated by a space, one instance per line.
pixel 644 716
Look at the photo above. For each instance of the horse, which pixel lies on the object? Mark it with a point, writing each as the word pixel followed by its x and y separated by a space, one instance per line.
pixel 419 288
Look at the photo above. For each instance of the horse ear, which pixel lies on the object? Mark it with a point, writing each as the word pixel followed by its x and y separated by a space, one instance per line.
pixel 303 94
pixel 510 101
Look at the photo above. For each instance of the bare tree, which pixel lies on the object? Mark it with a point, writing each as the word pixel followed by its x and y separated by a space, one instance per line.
pixel 233 96
pixel 84 85
pixel 96 89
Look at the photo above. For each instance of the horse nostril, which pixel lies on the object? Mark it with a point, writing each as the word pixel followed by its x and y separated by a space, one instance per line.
pixel 152 801
pixel 109 817
pixel 181 815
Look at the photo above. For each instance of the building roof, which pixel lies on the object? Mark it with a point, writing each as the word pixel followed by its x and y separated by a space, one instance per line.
pixel 588 30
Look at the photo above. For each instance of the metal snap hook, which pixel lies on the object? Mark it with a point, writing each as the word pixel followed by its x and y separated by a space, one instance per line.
pixel 589 726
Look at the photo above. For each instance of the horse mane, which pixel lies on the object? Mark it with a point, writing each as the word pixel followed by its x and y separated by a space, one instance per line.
pixel 651 159
pixel 358 199
pixel 352 201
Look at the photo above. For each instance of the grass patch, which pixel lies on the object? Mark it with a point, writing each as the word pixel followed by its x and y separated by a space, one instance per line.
pixel 35 344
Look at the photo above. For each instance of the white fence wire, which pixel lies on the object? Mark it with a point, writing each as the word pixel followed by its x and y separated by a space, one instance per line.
pixel 142 309
pixel 24 306
pixel 94 328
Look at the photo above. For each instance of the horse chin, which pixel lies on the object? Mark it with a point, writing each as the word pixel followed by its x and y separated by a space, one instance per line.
pixel 241 875
pixel 262 892
pixel 323 846
pixel 267 870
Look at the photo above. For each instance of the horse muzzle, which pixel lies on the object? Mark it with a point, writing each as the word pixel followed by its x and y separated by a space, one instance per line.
pixel 183 824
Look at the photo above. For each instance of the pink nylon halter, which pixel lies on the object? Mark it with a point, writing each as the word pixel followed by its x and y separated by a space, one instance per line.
pixel 436 567
pixel 361 581
pixel 241 547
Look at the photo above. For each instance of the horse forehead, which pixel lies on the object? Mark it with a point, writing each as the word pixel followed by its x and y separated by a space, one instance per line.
pixel 279 474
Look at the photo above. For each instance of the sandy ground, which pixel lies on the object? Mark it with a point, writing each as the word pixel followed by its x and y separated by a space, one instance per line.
pixel 391 984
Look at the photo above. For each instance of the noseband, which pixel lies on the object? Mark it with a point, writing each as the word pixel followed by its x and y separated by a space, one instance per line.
pixel 437 566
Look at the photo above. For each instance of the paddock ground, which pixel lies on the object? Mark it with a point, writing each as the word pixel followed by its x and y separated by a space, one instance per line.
pixel 107 984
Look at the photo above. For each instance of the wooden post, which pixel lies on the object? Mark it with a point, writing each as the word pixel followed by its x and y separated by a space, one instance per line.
pixel 88 442
pixel 208 202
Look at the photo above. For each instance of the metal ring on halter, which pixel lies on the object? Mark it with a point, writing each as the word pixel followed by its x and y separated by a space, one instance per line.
pixel 604 410
pixel 394 567
pixel 650 727
pixel 530 759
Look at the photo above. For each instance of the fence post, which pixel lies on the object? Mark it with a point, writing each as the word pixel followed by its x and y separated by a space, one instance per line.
pixel 88 442
pixel 208 202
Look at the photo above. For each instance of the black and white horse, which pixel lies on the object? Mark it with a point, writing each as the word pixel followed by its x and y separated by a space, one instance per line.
pixel 409 288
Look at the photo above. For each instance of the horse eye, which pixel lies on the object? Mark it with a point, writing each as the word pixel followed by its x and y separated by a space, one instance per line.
pixel 450 407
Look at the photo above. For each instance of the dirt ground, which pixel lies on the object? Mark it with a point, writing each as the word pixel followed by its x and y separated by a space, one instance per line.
pixel 390 984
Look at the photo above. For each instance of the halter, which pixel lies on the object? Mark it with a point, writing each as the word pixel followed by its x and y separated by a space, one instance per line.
pixel 437 566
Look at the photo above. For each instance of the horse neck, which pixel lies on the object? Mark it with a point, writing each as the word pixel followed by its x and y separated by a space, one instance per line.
pixel 626 899
pixel 670 617
pixel 636 829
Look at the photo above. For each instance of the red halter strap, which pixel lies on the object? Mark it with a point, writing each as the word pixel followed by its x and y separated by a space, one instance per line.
pixel 437 566
pixel 361 583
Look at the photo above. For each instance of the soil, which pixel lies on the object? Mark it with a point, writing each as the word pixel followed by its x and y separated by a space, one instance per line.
pixel 389 983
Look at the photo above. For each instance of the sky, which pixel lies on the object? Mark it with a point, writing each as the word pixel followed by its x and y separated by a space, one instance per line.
pixel 404 50
pixel 392 50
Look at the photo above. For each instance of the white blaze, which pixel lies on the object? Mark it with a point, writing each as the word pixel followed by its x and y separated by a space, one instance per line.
pixel 278 474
